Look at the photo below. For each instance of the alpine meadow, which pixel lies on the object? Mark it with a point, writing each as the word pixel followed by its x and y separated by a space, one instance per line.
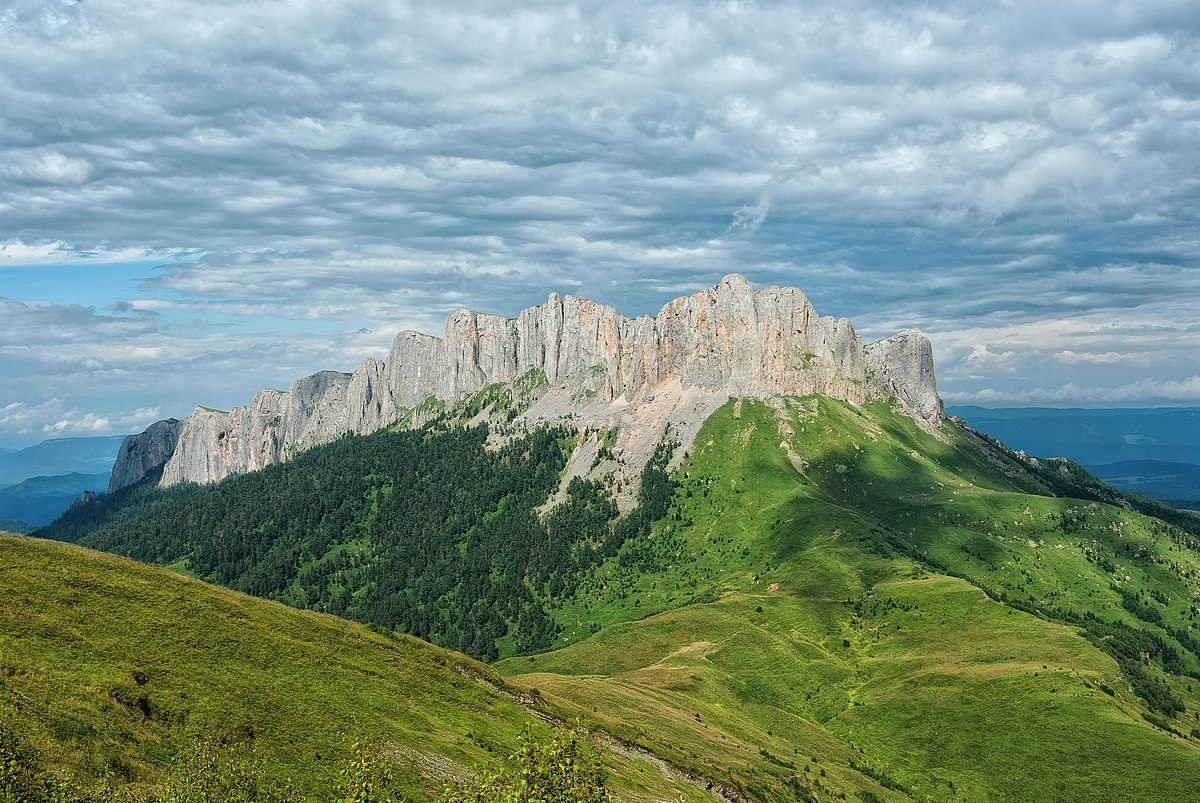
pixel 729 552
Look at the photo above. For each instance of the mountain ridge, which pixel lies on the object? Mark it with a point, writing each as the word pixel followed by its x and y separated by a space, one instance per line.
pixel 37 501
pixel 826 594
pixel 58 456
pixel 579 361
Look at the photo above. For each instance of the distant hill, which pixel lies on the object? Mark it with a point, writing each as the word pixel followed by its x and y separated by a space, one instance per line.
pixel 1093 437
pixel 60 456
pixel 1016 413
pixel 1176 482
pixel 37 501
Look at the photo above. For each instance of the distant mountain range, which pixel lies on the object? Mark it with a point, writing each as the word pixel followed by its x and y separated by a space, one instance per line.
pixel 37 483
pixel 1153 451
pixel 60 456
pixel 40 500
pixel 1177 483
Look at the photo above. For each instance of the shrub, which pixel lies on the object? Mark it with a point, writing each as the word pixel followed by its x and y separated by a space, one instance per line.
pixel 563 768
pixel 365 778
pixel 211 771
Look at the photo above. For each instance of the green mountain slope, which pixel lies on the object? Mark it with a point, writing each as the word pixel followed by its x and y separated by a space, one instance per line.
pixel 811 528
pixel 110 668
pixel 819 601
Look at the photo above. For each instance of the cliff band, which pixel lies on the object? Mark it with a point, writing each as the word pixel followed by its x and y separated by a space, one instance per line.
pixel 601 368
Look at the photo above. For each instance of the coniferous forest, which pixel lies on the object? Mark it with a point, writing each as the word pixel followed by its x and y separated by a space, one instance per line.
pixel 424 531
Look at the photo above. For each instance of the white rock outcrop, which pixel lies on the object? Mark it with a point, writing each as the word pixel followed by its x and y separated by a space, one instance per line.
pixel 725 341
pixel 141 454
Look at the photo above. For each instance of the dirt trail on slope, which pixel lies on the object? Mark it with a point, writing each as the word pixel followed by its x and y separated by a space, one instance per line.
pixel 718 790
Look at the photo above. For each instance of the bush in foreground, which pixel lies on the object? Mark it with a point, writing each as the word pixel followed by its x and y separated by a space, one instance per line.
pixel 561 769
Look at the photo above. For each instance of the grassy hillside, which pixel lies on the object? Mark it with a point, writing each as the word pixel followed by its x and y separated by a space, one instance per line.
pixel 112 668
pixel 822 654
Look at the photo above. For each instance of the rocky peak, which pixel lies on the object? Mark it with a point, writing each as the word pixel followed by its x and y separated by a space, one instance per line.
pixel 602 369
pixel 141 454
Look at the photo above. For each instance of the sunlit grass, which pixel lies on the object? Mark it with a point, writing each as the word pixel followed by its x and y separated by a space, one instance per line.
pixel 111 668
pixel 823 657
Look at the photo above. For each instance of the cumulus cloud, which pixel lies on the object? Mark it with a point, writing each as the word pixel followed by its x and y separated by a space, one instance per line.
pixel 48 167
pixel 307 170
pixel 1145 391
pixel 51 418
pixel 85 424
pixel 54 418
pixel 1106 357
pixel 16 252
pixel 981 358
pixel 21 417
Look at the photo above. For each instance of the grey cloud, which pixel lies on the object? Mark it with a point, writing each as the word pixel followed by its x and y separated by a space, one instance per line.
pixel 374 165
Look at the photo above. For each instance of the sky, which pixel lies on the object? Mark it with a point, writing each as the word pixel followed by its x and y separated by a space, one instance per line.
pixel 201 199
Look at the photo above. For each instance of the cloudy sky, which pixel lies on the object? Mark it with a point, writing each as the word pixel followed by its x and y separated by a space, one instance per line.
pixel 201 199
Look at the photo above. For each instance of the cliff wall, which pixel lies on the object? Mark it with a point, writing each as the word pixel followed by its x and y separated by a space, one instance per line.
pixel 725 341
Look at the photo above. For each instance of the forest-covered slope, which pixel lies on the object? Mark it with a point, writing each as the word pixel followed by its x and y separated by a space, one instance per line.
pixel 426 531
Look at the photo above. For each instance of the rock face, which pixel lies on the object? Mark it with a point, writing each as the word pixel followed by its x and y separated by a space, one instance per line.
pixel 721 342
pixel 141 454
pixel 902 365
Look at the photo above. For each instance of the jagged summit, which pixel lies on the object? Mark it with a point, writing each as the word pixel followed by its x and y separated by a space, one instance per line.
pixel 594 367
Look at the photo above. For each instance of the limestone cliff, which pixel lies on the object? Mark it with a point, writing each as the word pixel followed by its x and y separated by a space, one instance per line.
pixel 602 368
pixel 141 454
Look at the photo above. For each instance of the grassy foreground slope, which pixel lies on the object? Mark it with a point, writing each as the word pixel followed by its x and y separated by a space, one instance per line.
pixel 112 668
pixel 799 645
